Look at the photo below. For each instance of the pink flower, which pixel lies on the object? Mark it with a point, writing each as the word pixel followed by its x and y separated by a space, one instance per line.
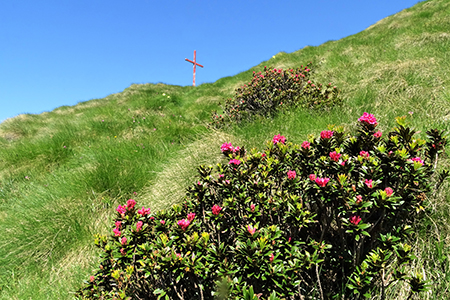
pixel 306 145
pixel 216 209
pixel 355 219
pixel 368 119
pixel 251 230
pixel 418 159
pixel 117 232
pixel 322 182
pixel 183 224
pixel 178 255
pixel 291 175
pixel 279 139
pixel 234 162
pixel 364 154
pixel 377 134
pixel 121 209
pixel 343 163
pixel 152 218
pixel 122 251
pixel 139 226
pixel 91 278
pixel 312 177
pixel 252 207
pixel 123 241
pixel 388 191
pixel 326 134
pixel 130 204
pixel 227 181
pixel 271 257
pixel 335 156
pixel 118 223
pixel 221 176
pixel 162 222
pixel 369 183
pixel 226 147
pixel 237 149
pixel 358 199
pixel 190 217
pixel 144 211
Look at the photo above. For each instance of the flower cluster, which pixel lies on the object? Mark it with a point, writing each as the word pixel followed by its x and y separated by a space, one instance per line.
pixel 368 119
pixel 279 139
pixel 326 134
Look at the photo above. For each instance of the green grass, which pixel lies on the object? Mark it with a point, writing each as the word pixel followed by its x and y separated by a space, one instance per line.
pixel 62 173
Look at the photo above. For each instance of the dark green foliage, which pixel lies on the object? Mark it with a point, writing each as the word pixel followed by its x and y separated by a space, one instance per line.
pixel 273 90
pixel 330 217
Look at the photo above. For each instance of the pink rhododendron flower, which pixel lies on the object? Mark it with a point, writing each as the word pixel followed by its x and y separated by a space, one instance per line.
pixel 123 241
pixel 226 147
pixel 418 159
pixel 364 154
pixel 251 230
pixel 130 204
pixel 335 156
pixel 358 199
pixel 388 191
pixel 279 139
pixel 343 163
pixel 139 226
pixel 271 257
pixel 183 224
pixel 118 223
pixel 252 207
pixel 178 255
pixel 237 149
pixel 162 222
pixel 234 162
pixel 326 134
pixel 152 218
pixel 322 182
pixel 121 209
pixel 291 175
pixel 312 177
pixel 122 251
pixel 144 211
pixel 216 209
pixel 369 183
pixel 227 181
pixel 355 219
pixel 377 134
pixel 221 176
pixel 190 217
pixel 306 145
pixel 91 278
pixel 116 232
pixel 368 119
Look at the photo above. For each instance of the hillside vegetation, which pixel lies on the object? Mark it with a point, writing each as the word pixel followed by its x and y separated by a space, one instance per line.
pixel 63 173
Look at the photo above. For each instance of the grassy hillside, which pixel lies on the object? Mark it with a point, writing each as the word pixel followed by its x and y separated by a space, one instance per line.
pixel 62 173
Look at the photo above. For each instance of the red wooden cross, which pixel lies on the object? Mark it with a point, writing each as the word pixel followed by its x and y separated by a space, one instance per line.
pixel 195 64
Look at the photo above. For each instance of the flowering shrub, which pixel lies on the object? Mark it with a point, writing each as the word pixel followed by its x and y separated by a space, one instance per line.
pixel 273 89
pixel 293 222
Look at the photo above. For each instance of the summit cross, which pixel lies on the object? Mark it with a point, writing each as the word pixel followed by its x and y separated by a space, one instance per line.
pixel 194 62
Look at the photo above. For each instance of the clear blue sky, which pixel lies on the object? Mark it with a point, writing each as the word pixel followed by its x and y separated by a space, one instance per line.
pixel 61 52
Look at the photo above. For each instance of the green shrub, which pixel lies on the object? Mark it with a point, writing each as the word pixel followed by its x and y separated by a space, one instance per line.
pixel 275 89
pixel 329 218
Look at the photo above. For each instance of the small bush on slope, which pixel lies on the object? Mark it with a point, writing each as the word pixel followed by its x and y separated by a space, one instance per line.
pixel 273 90
pixel 326 218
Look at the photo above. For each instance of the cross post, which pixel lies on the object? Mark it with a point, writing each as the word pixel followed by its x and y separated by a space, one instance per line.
pixel 195 64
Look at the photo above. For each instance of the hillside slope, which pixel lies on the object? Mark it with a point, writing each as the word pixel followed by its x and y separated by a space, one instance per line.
pixel 63 172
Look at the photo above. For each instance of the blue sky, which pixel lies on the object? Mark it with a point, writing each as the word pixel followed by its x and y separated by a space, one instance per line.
pixel 61 52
